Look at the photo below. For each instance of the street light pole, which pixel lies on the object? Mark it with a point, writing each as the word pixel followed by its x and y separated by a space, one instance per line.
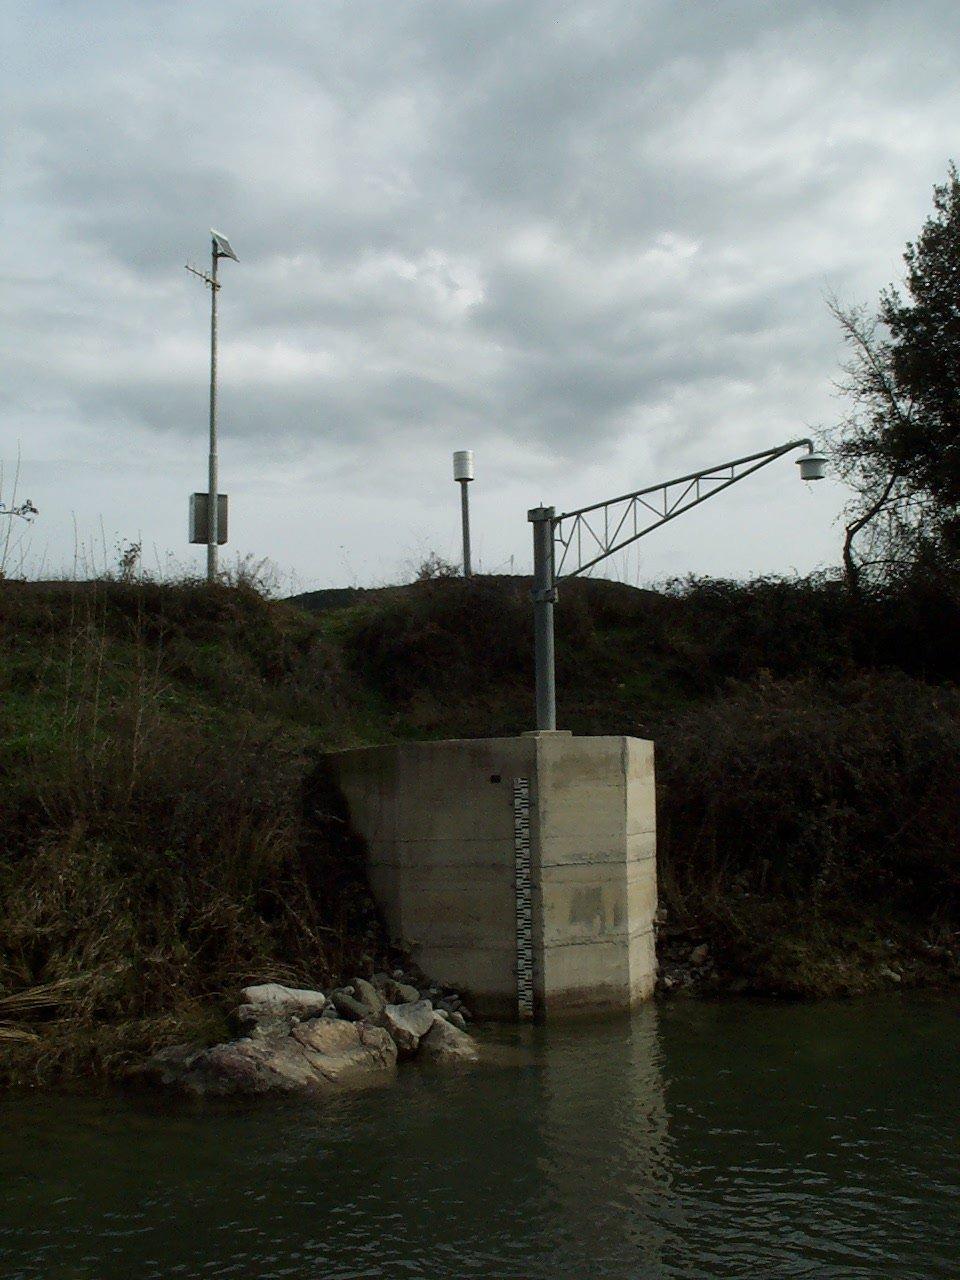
pixel 593 533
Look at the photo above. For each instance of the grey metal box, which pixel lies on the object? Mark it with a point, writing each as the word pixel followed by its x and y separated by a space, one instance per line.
pixel 198 518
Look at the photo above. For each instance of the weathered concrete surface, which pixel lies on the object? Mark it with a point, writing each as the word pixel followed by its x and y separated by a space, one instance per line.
pixel 438 821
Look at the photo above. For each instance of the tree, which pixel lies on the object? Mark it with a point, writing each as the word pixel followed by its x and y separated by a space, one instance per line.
pixel 899 444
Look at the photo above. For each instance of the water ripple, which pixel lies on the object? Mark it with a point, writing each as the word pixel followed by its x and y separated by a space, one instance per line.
pixel 695 1141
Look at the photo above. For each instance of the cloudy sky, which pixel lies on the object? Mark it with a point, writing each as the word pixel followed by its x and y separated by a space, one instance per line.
pixel 590 241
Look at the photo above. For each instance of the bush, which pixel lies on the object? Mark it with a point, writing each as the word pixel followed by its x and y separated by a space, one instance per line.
pixel 837 795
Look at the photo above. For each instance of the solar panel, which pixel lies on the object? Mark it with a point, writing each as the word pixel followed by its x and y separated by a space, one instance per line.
pixel 224 249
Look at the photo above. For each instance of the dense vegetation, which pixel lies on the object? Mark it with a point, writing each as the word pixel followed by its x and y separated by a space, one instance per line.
pixel 168 835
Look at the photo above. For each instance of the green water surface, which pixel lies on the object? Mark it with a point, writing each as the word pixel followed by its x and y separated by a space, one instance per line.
pixel 726 1140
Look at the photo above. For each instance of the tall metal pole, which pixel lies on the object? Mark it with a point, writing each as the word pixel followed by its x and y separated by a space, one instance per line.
pixel 213 503
pixel 544 598
pixel 463 474
pixel 465 521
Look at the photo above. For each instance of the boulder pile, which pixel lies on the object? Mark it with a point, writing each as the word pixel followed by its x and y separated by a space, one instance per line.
pixel 299 1041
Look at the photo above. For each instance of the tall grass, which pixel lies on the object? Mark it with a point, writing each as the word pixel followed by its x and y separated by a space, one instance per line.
pixel 168 836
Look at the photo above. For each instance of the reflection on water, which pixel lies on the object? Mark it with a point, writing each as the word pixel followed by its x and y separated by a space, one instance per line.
pixel 724 1140
pixel 603 1166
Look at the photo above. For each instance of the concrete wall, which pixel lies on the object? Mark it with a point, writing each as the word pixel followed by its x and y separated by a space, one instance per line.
pixel 438 822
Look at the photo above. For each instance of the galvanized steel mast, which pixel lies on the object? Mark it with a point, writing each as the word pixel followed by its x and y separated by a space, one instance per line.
pixel 213 478
pixel 220 248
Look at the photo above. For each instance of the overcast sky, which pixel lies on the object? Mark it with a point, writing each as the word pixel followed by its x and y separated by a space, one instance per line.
pixel 590 241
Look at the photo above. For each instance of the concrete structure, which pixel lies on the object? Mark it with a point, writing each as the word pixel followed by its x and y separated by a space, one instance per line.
pixel 440 823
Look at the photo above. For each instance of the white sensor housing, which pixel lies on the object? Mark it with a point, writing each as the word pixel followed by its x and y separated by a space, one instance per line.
pixel 813 466
pixel 463 464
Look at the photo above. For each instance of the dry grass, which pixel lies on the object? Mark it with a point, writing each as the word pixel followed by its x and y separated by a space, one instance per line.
pixel 168 834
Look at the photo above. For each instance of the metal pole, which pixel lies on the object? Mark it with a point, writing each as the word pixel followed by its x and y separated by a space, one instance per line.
pixel 465 521
pixel 544 598
pixel 213 503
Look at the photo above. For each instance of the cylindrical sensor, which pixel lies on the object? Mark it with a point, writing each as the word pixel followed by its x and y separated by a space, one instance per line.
pixel 813 466
pixel 463 464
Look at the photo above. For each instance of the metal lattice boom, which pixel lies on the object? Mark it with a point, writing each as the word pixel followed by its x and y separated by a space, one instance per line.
pixel 585 537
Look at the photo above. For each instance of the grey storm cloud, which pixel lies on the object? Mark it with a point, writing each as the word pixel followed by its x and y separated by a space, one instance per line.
pixel 559 222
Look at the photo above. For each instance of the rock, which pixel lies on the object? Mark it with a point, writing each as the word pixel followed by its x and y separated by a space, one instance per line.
pixel 403 993
pixel 259 1020
pixel 450 1004
pixel 458 1020
pixel 698 955
pixel 166 1067
pixel 891 975
pixel 465 1013
pixel 272 996
pixel 446 1043
pixel 394 992
pixel 346 1053
pixel 406 1023
pixel 318 1056
pixel 442 1013
pixel 349 1006
pixel 368 995
pixel 244 1066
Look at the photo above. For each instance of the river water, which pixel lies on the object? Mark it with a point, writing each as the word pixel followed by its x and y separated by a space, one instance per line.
pixel 714 1140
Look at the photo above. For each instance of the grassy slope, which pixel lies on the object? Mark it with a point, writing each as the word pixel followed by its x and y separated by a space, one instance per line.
pixel 158 788
pixel 165 834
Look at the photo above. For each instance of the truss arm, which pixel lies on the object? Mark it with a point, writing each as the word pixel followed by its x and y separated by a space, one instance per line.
pixel 584 537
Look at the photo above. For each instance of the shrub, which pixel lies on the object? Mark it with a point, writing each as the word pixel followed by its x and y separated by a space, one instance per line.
pixel 836 794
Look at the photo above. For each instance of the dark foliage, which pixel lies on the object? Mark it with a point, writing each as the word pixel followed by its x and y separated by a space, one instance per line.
pixel 925 331
pixel 899 443
pixel 832 795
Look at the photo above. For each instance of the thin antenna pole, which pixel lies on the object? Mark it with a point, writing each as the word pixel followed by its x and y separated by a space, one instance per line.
pixel 213 497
